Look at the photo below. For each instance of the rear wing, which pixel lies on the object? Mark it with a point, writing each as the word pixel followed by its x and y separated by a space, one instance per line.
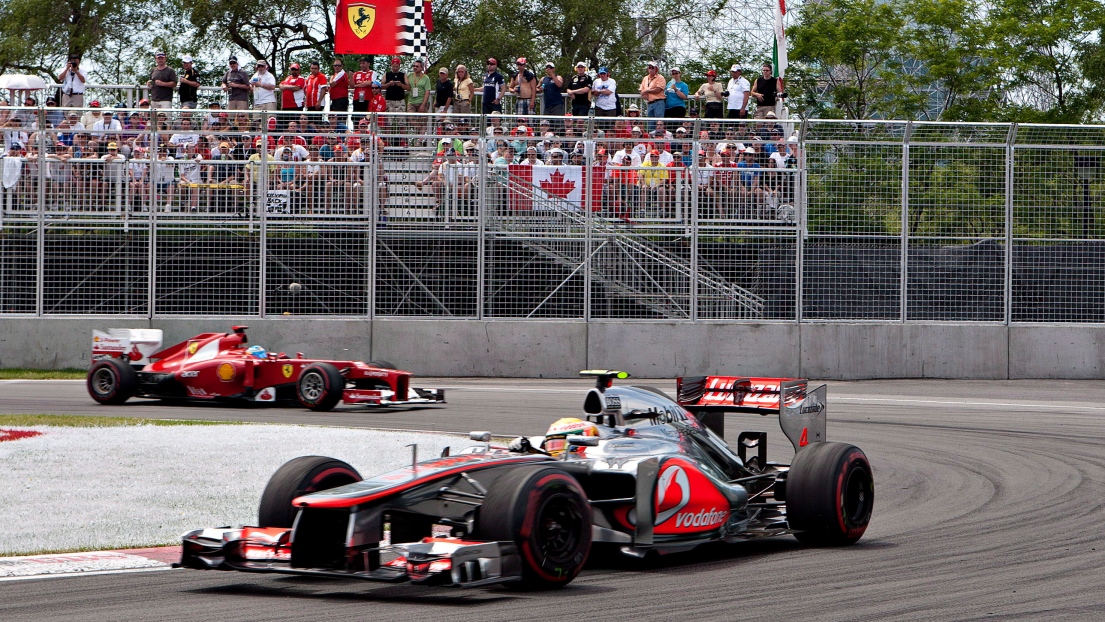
pixel 802 412
pixel 135 345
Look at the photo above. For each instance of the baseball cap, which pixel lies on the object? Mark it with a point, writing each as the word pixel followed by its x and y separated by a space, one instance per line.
pixel 654 152
pixel 144 102
pixel 112 146
pixel 735 68
pixel 550 66
pixel 224 145
pixel 634 108
pixel 395 59
pixel 521 60
pixel 711 73
pixel 492 61
pixel 636 128
pixel 261 61
pixel 95 104
pixel 581 64
pixel 770 115
pixel 186 58
pixel 443 70
pixel 652 63
pixel 675 70
pixel 469 145
pixel 749 150
pixel 295 66
pixel 682 129
pixel 603 70
pixel 375 84
pixel 233 59
pixel 258 141
pixel 159 53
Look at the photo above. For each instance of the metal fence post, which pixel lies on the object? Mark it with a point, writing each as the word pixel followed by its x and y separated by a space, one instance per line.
pixel 1007 291
pixel 802 230
pixel 40 251
pixel 696 145
pixel 373 208
pixel 588 221
pixel 151 224
pixel 904 259
pixel 481 219
pixel 262 220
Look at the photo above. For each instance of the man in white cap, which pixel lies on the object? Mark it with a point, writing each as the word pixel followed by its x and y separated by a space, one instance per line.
pixel 579 87
pixel 737 92
pixel 264 86
pixel 653 87
pixel 189 83
pixel 552 100
pixel 605 92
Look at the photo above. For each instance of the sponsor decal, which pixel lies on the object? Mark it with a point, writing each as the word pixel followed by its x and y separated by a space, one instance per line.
pixel 197 391
pixel 702 518
pixel 375 374
pixel 189 374
pixel 352 395
pixel 811 408
pixel 193 346
pixel 287 370
pixel 225 372
pixel 673 492
pixel 266 395
pixel 614 402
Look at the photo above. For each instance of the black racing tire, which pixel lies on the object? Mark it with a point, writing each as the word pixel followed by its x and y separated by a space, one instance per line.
pixel 830 494
pixel 298 477
pixel 383 364
pixel 545 512
pixel 111 381
pixel 320 386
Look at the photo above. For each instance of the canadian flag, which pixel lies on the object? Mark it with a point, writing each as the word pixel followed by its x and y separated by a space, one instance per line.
pixel 544 187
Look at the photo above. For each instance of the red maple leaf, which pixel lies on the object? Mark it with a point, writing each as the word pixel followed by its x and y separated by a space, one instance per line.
pixel 557 185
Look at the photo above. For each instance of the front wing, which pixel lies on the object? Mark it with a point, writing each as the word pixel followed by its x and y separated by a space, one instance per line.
pixel 386 397
pixel 449 562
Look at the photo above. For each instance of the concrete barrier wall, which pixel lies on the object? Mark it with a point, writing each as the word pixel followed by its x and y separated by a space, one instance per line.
pixel 552 349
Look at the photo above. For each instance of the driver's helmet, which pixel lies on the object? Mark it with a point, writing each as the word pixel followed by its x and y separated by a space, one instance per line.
pixel 556 438
pixel 257 351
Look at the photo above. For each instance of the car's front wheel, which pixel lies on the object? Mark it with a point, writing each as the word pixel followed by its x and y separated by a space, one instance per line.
pixel 298 477
pixel 544 511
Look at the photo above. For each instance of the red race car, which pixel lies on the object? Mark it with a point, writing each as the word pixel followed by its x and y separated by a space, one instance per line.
pixel 129 363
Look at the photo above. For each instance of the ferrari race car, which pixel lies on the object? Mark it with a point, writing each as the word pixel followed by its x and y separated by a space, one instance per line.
pixel 640 473
pixel 222 367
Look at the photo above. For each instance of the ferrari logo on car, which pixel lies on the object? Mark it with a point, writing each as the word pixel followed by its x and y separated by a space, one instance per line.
pixel 225 372
pixel 192 347
pixel 287 369
pixel 362 17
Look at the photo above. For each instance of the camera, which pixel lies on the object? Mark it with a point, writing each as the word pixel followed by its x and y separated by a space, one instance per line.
pixel 725 93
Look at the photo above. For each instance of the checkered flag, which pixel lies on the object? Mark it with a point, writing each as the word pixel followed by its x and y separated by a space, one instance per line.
pixel 413 29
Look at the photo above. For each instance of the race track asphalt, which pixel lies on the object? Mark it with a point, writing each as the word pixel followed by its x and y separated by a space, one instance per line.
pixel 989 505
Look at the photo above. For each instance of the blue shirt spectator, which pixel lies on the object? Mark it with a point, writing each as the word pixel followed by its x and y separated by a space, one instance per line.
pixel 676 84
pixel 492 88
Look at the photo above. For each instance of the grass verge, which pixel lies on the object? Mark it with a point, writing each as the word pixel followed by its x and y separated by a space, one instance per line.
pixel 16 373
pixel 83 421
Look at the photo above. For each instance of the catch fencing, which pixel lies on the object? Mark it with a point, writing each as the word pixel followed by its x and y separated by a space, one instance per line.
pixel 394 215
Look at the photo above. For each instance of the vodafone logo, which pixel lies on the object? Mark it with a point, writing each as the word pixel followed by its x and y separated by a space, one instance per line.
pixel 673 492
pixel 702 518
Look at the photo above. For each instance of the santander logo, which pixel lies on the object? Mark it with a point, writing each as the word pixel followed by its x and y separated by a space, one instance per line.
pixel 673 492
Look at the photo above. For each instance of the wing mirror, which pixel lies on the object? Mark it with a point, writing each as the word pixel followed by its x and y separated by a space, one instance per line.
pixel 584 441
pixel 482 437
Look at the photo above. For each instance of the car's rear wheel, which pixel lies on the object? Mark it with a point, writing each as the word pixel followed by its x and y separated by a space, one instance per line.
pixel 544 511
pixel 111 381
pixel 830 494
pixel 320 386
pixel 296 478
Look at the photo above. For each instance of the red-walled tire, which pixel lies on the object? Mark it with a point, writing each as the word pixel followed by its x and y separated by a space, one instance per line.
pixel 830 494
pixel 544 511
pixel 296 478
pixel 320 386
pixel 111 381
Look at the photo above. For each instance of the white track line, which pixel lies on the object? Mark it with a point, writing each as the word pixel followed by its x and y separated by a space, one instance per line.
pixel 58 575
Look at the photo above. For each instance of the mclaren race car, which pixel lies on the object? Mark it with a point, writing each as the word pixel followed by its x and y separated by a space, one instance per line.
pixel 223 367
pixel 639 472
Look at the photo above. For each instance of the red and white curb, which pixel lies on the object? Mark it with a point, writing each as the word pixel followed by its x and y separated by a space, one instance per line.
pixel 90 563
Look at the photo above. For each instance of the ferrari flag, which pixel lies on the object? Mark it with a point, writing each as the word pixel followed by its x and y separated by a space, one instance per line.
pixel 367 27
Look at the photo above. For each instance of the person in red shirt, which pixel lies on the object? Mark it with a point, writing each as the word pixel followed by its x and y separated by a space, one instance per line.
pixel 339 88
pixel 317 85
pixel 292 93
pixel 362 87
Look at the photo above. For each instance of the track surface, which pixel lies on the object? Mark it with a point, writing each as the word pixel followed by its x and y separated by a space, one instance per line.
pixel 989 505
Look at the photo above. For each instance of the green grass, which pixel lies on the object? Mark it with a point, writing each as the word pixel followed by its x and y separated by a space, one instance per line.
pixel 82 421
pixel 43 374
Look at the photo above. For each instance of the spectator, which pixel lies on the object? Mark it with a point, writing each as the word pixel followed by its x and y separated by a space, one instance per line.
pixel 737 92
pixel 189 83
pixel 710 92
pixel 395 87
pixel 191 175
pixel 766 91
pixel 162 81
pixel 420 85
pixel 237 86
pixel 653 181
pixel 72 83
pixel 292 93
pixel 164 177
pixel 107 129
pixel 362 87
pixel 93 115
pixel 675 102
pixel 377 102
pixel 463 90
pixel 443 97
pixel 552 99
pixel 605 92
pixel 492 88
pixel 187 137
pixel 524 87
pixel 652 91
pixel 314 91
pixel 339 88
pixel 579 87
pixel 750 189
pixel 264 87
pixel 53 115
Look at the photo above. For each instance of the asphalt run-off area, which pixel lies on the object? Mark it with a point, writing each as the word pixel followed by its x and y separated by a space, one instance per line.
pixel 988 505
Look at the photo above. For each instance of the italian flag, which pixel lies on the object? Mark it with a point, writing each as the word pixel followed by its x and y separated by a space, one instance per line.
pixel 779 52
